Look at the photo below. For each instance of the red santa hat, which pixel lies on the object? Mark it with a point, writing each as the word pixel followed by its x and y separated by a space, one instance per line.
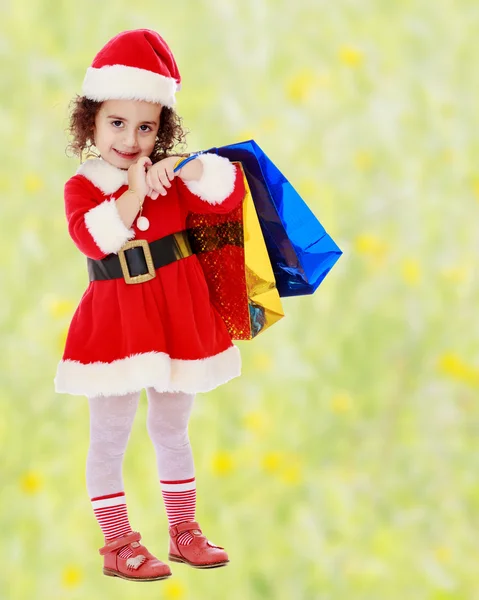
pixel 134 65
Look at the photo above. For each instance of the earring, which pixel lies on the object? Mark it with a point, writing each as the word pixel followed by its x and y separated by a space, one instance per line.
pixel 92 153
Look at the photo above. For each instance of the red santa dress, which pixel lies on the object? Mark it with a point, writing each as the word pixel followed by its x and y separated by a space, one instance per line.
pixel 163 333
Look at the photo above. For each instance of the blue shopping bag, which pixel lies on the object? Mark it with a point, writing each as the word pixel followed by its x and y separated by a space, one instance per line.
pixel 300 250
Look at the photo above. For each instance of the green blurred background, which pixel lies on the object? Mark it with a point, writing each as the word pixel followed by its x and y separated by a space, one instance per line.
pixel 343 464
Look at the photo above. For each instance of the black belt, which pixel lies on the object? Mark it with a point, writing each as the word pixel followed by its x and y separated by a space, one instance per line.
pixel 137 259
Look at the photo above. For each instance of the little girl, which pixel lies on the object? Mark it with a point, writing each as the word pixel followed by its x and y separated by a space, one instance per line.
pixel 145 320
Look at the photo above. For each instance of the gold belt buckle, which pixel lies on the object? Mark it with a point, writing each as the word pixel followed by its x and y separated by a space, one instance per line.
pixel 149 262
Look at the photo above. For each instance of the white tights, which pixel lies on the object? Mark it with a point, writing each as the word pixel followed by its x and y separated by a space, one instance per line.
pixel 111 420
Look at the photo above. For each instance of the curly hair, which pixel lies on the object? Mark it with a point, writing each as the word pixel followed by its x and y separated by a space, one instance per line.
pixel 82 121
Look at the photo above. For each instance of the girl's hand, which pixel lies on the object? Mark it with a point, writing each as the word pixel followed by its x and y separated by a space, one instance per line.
pixel 137 178
pixel 160 175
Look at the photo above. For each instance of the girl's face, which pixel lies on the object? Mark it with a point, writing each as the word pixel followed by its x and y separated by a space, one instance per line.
pixel 125 130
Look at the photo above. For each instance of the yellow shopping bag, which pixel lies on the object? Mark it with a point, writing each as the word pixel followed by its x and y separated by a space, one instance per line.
pixel 235 261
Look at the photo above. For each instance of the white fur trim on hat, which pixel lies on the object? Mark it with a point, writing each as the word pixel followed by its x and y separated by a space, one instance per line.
pixel 217 181
pixel 128 83
pixel 106 227
pixel 103 175
pixel 152 369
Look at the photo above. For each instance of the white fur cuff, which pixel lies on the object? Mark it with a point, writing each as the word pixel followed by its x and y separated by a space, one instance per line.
pixel 106 227
pixel 217 181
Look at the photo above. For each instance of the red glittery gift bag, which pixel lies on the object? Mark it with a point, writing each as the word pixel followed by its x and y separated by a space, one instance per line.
pixel 235 261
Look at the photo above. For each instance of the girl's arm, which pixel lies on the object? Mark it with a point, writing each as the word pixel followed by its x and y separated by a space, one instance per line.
pixel 212 185
pixel 95 225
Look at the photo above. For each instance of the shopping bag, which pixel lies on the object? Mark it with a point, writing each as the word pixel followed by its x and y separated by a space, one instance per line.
pixel 237 268
pixel 300 250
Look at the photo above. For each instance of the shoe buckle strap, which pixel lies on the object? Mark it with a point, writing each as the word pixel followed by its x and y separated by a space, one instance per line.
pixel 124 540
pixel 185 526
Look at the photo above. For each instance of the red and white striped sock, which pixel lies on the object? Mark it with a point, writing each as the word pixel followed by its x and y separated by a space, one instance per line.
pixel 180 503
pixel 111 514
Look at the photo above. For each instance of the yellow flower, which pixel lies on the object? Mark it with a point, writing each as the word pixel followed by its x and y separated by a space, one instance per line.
pixel 33 183
pixel 271 461
pixel 369 244
pixel 222 463
pixel 411 271
pixel 363 160
pixel 31 482
pixel 262 361
pixel 450 364
pixel 291 474
pixel 71 576
pixel 61 308
pixel 173 590
pixel 256 421
pixel 341 403
pixel 352 57
pixel 443 554
pixel 300 86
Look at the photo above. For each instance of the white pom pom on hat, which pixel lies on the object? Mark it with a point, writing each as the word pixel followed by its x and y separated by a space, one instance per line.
pixel 134 65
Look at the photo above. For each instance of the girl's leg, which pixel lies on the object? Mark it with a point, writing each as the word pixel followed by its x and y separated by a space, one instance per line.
pixel 167 424
pixel 111 419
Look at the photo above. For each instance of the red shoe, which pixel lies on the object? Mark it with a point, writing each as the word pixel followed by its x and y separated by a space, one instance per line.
pixel 140 566
pixel 200 553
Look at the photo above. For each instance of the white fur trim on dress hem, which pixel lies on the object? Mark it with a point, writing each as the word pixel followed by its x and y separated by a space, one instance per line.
pixel 217 181
pixel 106 227
pixel 152 369
pixel 121 82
